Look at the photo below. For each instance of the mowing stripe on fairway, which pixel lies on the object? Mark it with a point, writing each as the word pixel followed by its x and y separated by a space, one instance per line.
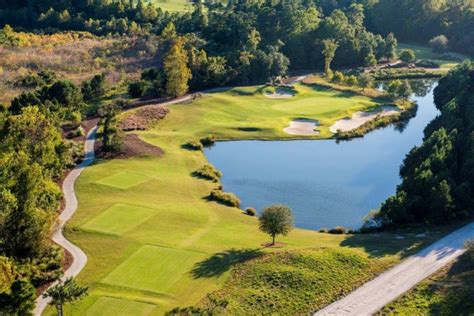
pixel 153 268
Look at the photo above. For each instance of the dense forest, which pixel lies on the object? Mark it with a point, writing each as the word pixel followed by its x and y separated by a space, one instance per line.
pixel 438 176
pixel 424 20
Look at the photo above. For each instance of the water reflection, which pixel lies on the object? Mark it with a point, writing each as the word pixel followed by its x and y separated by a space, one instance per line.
pixel 325 183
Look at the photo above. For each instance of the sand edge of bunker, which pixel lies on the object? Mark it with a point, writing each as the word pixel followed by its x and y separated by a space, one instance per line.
pixel 359 118
pixel 302 127
pixel 280 93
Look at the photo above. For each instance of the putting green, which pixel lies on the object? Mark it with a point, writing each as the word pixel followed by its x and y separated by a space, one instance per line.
pixel 151 259
pixel 154 269
pixel 119 307
pixel 119 218
pixel 123 180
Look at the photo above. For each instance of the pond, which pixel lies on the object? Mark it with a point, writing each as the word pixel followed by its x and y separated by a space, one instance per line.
pixel 324 182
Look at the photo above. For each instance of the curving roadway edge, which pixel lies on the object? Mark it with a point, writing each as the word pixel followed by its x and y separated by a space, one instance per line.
pixel 374 295
pixel 366 300
pixel 79 257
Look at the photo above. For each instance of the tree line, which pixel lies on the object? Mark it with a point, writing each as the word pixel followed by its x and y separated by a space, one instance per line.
pixel 438 176
pixel 34 156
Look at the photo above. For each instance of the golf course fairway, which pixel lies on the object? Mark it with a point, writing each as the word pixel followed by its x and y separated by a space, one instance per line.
pixel 152 238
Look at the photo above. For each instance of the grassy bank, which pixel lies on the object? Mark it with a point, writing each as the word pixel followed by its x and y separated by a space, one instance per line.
pixel 154 240
pixel 448 292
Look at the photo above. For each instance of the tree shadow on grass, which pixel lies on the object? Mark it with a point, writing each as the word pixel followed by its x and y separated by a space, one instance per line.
pixel 387 243
pixel 222 262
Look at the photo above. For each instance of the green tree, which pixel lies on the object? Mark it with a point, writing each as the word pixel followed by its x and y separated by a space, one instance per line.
pixel 391 43
pixel 404 91
pixel 365 81
pixel 176 69
pixel 338 77
pixel 370 59
pixel 20 300
pixel 94 89
pixel 352 81
pixel 439 44
pixel 65 292
pixel 29 202
pixel 111 136
pixel 276 220
pixel 407 56
pixel 329 52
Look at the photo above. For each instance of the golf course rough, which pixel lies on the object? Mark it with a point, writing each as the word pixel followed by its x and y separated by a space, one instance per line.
pixel 145 223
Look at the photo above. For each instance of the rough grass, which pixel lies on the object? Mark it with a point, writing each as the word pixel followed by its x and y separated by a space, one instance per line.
pixel 173 5
pixel 448 292
pixel 296 283
pixel 75 56
pixel 119 307
pixel 425 52
pixel 133 266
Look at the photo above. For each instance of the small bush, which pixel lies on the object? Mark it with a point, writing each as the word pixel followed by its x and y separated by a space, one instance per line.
pixel 208 172
pixel 225 198
pixel 338 230
pixel 250 211
pixel 470 247
pixel 194 145
pixel 323 230
pixel 208 140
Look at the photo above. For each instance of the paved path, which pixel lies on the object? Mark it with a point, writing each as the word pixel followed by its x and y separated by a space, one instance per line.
pixel 374 295
pixel 78 256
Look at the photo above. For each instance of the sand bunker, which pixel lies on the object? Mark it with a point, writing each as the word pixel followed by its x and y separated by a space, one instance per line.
pixel 280 94
pixel 360 118
pixel 302 127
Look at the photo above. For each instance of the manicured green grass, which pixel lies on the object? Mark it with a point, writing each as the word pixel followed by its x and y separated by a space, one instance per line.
pixel 119 218
pixel 119 307
pixel 189 246
pixel 123 180
pixel 425 52
pixel 296 283
pixel 154 269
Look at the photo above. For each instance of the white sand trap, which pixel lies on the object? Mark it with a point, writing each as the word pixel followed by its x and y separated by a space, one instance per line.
pixel 302 127
pixel 280 94
pixel 360 118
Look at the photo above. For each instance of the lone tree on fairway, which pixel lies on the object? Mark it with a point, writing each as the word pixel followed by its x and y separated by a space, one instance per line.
pixel 65 292
pixel 329 51
pixel 276 220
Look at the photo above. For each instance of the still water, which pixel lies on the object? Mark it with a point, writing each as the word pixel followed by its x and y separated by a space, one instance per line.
pixel 325 183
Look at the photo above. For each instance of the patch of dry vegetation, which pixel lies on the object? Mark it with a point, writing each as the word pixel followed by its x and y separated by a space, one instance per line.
pixel 75 56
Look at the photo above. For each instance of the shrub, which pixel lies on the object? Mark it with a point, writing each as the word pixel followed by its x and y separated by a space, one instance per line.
pixel 137 89
pixel 225 198
pixel 194 145
pixel 351 81
pixel 208 140
pixel 339 77
pixel 407 56
pixel 208 172
pixel 250 211
pixel 323 230
pixel 338 230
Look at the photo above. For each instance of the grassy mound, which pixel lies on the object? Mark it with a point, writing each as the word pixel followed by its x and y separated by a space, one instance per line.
pixel 448 292
pixel 296 282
